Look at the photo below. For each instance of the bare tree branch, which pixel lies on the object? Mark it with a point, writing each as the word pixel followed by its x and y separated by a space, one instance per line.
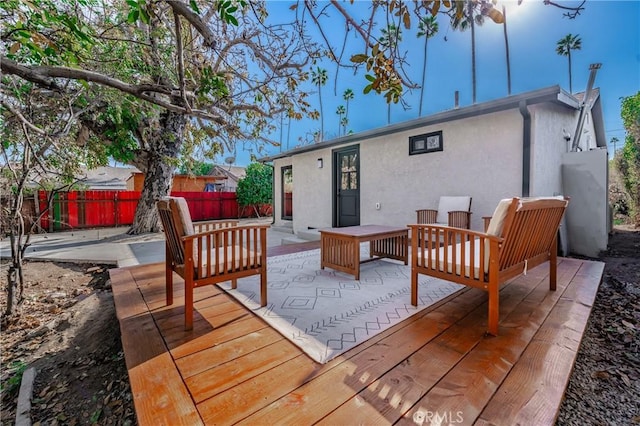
pixel 184 10
pixel 574 10
pixel 43 75
pixel 22 118
pixel 180 60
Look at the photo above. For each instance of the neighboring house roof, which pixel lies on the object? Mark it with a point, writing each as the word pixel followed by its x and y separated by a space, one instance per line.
pixel 552 94
pixel 107 178
pixel 234 173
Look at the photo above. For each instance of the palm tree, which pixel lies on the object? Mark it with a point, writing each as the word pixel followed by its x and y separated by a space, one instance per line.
pixel 390 38
pixel 319 78
pixel 427 28
pixel 469 19
pixel 347 96
pixel 343 122
pixel 564 47
pixel 340 111
pixel 614 141
pixel 506 49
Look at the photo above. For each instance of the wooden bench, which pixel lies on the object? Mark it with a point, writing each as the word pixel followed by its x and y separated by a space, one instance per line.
pixel 219 251
pixel 521 234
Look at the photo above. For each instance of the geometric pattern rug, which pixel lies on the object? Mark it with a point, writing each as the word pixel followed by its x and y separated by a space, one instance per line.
pixel 327 312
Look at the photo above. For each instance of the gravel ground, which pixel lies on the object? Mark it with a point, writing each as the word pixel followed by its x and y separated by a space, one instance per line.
pixel 604 388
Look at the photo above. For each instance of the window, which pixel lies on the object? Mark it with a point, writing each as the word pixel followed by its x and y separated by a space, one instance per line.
pixel 428 142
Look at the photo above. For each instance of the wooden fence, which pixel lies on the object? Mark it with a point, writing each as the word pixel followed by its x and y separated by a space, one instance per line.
pixel 94 209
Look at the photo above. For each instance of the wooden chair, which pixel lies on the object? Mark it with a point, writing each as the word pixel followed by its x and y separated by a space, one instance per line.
pixel 452 211
pixel 209 252
pixel 522 234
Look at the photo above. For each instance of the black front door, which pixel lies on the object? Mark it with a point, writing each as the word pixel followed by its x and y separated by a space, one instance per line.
pixel 346 166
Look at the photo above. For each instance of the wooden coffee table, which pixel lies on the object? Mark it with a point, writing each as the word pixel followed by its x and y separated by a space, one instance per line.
pixel 340 247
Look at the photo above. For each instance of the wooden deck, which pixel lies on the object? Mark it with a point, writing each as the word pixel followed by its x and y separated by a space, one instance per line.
pixel 233 368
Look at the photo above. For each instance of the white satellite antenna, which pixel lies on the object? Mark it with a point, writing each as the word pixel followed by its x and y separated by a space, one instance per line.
pixel 230 161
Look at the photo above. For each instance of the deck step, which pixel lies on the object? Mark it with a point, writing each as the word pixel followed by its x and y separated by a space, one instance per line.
pixel 293 240
pixel 286 228
pixel 309 235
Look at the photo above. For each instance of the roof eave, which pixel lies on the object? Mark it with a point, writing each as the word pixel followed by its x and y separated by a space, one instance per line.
pixel 550 94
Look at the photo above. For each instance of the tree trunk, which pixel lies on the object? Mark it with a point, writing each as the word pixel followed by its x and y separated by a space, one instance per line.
pixel 15 278
pixel 570 82
pixel 162 145
pixel 321 115
pixel 424 71
pixel 506 48
pixel 473 55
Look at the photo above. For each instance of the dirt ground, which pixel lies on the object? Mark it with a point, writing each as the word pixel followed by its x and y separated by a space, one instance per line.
pixel 70 334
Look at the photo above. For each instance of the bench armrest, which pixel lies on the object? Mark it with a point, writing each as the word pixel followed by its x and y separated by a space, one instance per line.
pixel 209 225
pixel 227 230
pixel 486 220
pixel 460 219
pixel 426 215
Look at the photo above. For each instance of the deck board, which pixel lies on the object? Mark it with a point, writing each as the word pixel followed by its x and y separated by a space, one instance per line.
pixel 234 368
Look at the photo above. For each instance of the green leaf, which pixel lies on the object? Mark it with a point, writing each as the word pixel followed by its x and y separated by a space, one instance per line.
pixel 194 6
pixel 144 16
pixel 367 89
pixel 232 20
pixel 133 16
pixel 359 58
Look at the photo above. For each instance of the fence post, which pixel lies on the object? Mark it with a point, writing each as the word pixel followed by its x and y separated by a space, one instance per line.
pixel 36 210
pixel 52 216
pixel 115 206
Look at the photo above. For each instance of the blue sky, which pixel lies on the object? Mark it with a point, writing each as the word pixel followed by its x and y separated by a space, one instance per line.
pixel 610 33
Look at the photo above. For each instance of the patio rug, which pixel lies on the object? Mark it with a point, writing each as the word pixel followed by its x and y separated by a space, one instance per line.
pixel 326 312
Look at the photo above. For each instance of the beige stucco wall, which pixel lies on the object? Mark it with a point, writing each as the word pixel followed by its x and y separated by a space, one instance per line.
pixel 548 145
pixel 482 158
pixel 403 183
pixel 311 191
pixel 588 139
pixel 585 178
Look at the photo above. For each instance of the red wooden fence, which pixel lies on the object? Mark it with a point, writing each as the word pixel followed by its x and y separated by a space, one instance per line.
pixel 93 209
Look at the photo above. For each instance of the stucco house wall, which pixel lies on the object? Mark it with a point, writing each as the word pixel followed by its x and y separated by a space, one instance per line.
pixel 548 145
pixel 585 177
pixel 311 192
pixel 483 156
pixel 401 183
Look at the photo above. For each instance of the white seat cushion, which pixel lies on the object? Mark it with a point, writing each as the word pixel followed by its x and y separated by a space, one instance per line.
pixel 451 204
pixel 459 263
pixel 243 259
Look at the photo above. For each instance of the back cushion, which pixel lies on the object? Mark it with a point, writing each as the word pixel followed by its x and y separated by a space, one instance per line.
pixel 451 204
pixel 183 215
pixel 497 219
